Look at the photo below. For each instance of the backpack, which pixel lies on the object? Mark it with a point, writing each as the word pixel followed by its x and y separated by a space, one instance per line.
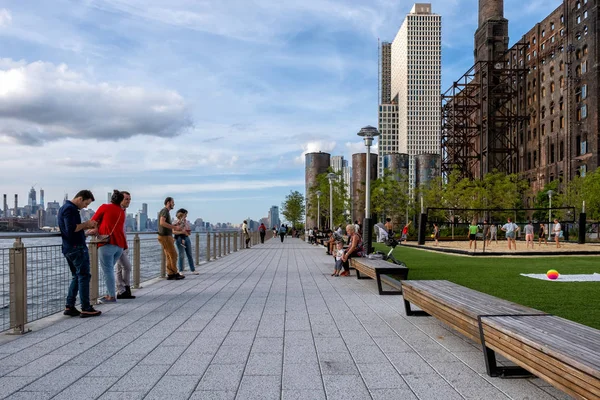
pixel 282 230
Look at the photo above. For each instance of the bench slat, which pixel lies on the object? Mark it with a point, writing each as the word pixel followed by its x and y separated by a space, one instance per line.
pixel 553 337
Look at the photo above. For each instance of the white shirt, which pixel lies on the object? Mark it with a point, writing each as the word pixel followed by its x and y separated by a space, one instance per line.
pixel 557 227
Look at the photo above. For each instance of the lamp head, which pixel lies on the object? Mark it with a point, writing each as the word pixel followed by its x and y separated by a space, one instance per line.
pixel 550 192
pixel 368 133
pixel 331 176
pixel 319 193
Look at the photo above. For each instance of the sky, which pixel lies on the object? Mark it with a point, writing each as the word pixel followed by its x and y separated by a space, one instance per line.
pixel 212 102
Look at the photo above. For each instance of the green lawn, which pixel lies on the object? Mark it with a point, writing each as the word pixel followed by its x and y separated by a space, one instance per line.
pixel 499 276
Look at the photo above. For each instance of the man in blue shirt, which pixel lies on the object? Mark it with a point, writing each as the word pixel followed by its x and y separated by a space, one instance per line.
pixel 75 250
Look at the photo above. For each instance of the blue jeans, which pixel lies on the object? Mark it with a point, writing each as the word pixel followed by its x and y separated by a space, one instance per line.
pixel 108 255
pixel 184 246
pixel 79 264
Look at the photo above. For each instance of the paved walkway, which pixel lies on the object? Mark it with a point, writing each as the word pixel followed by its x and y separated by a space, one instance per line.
pixel 263 323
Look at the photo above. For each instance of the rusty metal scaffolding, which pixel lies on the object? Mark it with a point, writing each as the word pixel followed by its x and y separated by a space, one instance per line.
pixel 483 118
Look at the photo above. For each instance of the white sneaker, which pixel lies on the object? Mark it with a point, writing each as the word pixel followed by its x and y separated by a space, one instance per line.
pixel 195 273
pixel 181 273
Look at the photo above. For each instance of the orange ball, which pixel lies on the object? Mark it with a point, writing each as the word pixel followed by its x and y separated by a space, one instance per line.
pixel 552 274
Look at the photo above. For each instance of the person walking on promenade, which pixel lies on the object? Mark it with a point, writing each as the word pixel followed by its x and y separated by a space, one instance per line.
pixel 246 234
pixel 111 222
pixel 282 232
pixel 262 229
pixel 165 238
pixel 511 232
pixel 557 230
pixel 436 233
pixel 182 238
pixel 274 232
pixel 529 234
pixel 473 228
pixel 355 248
pixel 542 235
pixel 486 231
pixel 389 227
pixel 493 234
pixel 72 232
pixel 123 266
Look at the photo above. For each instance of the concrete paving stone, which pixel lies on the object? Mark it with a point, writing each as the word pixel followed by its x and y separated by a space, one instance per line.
pixel 325 330
pixel 145 345
pixel 520 389
pixel 393 344
pixel 302 376
pixel 297 324
pixel 10 385
pixel 208 345
pixel 163 355
pixel 326 345
pixel 191 363
pixel 297 354
pixel 410 363
pixel 41 366
pixel 259 388
pixel 357 338
pixel 337 363
pixel 303 394
pixel 431 386
pixel 231 355
pixel 32 395
pixel 23 357
pixel 264 364
pixel 381 376
pixel 243 339
pixel 267 345
pixel 57 380
pixel 380 330
pixel 122 396
pixel 86 388
pixel 117 365
pixel 467 382
pixel 387 394
pixel 424 343
pixel 367 354
pixel 298 338
pixel 345 387
pixel 180 338
pixel 474 359
pixel 173 387
pixel 193 325
pixel 6 369
pixel 140 378
pixel 213 395
pixel 442 356
pixel 225 377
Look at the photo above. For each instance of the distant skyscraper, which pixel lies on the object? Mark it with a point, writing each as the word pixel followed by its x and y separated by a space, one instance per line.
pixel 5 208
pixel 32 199
pixel 16 212
pixel 145 208
pixel 337 163
pixel 416 83
pixel 385 72
pixel 274 217
pixel 66 198
pixel 52 213
pixel 108 197
pixel 42 205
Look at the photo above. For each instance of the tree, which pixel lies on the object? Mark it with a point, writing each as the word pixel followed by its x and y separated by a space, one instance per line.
pixel 341 200
pixel 293 207
pixel 390 196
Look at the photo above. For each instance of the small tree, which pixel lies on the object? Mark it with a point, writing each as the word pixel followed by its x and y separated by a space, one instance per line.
pixel 293 207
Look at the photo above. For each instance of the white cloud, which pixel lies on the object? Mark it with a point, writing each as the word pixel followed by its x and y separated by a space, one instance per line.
pixel 314 147
pixel 359 147
pixel 41 102
pixel 223 186
pixel 5 17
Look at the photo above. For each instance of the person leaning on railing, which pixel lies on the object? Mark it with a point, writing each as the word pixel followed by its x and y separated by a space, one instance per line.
pixel 75 251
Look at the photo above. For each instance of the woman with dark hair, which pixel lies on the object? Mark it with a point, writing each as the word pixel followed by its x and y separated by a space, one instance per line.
pixel 182 239
pixel 111 222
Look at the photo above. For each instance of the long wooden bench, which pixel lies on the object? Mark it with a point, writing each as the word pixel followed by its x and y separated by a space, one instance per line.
pixel 561 352
pixel 380 270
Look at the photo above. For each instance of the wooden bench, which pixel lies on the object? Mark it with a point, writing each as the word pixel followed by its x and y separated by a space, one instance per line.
pixel 563 353
pixel 457 306
pixel 380 270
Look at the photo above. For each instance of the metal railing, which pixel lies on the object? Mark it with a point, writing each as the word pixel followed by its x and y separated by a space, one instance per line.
pixel 34 280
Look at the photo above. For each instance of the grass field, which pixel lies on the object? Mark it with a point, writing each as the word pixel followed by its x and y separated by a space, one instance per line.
pixel 499 276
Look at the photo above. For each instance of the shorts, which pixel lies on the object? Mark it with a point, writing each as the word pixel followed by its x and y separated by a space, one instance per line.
pixel 472 236
pixel 542 236
pixel 510 235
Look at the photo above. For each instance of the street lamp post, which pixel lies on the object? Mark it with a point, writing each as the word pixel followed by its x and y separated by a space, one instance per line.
pixel 319 193
pixel 331 176
pixel 368 133
pixel 550 193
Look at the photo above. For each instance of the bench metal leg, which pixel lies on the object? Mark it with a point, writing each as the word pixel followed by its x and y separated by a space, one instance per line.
pixel 385 292
pixel 416 313
pixel 361 277
pixel 492 367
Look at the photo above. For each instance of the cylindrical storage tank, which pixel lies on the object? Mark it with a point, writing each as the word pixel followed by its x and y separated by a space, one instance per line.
pixel 489 9
pixel 427 167
pixel 359 173
pixel 316 164
pixel 397 164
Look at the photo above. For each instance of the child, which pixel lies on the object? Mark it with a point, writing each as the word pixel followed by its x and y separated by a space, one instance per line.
pixel 338 258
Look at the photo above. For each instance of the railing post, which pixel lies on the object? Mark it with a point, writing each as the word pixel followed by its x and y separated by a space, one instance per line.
pixel 228 242
pixel 137 264
pixel 95 279
pixel 207 246
pixel 18 287
pixel 197 248
pixel 235 242
pixel 215 245
pixel 220 245
pixel 163 264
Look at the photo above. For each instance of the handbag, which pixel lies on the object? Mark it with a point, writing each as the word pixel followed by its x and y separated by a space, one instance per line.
pixel 100 239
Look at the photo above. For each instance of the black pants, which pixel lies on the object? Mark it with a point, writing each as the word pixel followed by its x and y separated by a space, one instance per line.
pixel 262 237
pixel 247 242
pixel 282 235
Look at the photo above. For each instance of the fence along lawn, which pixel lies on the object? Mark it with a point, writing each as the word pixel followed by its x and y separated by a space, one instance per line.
pixel 500 277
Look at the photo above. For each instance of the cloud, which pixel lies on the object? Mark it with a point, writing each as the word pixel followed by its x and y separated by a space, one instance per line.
pixel 315 147
pixel 42 102
pixel 5 17
pixel 359 147
pixel 232 185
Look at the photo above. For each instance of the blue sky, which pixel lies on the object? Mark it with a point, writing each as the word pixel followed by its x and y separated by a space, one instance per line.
pixel 212 102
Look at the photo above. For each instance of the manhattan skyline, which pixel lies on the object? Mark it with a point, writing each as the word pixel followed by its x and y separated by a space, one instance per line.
pixel 213 103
